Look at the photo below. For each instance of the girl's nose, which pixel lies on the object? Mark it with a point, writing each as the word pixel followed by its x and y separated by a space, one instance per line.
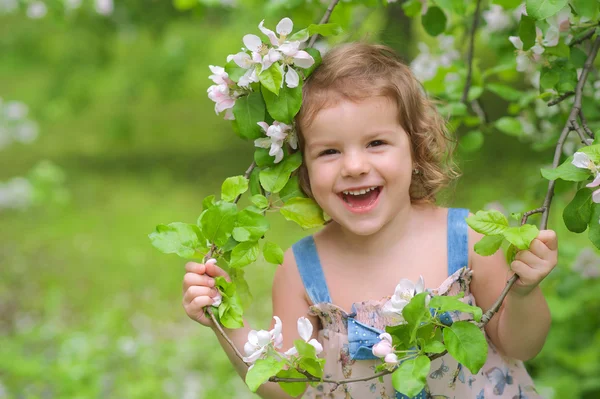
pixel 355 164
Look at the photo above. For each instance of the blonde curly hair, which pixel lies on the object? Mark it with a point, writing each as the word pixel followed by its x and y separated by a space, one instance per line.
pixel 355 71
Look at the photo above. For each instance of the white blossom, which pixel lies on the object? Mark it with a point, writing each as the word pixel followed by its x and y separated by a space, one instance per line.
pixel 260 341
pixel 305 330
pixel 37 10
pixel 404 292
pixel 497 19
pixel 277 133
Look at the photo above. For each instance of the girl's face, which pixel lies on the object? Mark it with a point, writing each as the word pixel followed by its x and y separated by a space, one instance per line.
pixel 359 163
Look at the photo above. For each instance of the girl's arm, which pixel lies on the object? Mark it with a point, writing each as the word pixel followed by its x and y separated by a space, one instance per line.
pixel 520 327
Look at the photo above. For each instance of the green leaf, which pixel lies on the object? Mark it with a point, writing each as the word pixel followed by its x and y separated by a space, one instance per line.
pixel 241 286
pixel 527 32
pixel 488 245
pixel 232 187
pixel 250 226
pixel 180 238
pixel 400 336
pixel 456 6
pixel 317 57
pixel 592 151
pixel 577 214
pixel 511 252
pixel 416 313
pixel 505 92
pixel 509 125
pixel 313 365
pixel 248 111
pixel 444 303
pixel 291 190
pixel 586 8
pixel 231 309
pixel 244 253
pixel 304 211
pixel 273 179
pixel 234 71
pixel 410 378
pixel 542 9
pixel 300 36
pixel 488 222
pixel 262 157
pixel 325 29
pixel 412 8
pixel 261 372
pixel 578 57
pixel 271 78
pixel 434 347
pixel 566 171
pixel 434 21
pixel 217 222
pixel 292 388
pixel 471 141
pixel 594 232
pixel 521 236
pixel 305 349
pixel 273 253
pixel 466 343
pixel 208 201
pixel 255 187
pixel 260 201
pixel 474 93
pixel 284 107
pixel 184 5
pixel 549 78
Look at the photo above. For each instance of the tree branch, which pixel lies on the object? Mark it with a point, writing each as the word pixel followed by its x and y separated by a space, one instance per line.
pixel 585 126
pixel 561 98
pixel 324 20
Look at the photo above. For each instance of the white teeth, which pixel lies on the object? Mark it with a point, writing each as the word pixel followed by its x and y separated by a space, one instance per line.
pixel 359 192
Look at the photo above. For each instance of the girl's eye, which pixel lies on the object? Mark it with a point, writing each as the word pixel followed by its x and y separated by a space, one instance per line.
pixel 376 143
pixel 329 151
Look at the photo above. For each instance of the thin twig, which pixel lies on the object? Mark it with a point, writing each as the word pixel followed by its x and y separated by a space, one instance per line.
pixel 224 335
pixel 324 20
pixel 478 109
pixel 575 126
pixel 585 126
pixel 583 38
pixel 561 98
pixel 557 154
pixel 470 53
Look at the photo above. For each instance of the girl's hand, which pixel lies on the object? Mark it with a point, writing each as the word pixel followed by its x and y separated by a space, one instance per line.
pixel 199 289
pixel 533 265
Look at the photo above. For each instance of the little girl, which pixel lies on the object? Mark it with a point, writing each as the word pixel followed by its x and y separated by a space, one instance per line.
pixel 375 154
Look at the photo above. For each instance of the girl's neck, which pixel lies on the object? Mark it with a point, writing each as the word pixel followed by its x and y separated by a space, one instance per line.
pixel 388 237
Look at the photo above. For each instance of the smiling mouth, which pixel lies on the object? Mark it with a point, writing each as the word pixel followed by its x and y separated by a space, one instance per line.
pixel 362 200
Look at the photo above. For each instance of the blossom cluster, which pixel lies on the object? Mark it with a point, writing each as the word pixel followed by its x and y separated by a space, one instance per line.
pixel 282 51
pixel 15 124
pixel 261 342
pixel 583 161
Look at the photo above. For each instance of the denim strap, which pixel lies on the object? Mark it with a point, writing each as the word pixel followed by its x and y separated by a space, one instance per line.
pixel 458 240
pixel 309 266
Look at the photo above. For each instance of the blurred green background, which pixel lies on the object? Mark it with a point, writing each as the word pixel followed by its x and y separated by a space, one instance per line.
pixel 88 308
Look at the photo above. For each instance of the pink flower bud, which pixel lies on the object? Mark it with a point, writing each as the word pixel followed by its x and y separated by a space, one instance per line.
pixel 391 359
pixel 382 349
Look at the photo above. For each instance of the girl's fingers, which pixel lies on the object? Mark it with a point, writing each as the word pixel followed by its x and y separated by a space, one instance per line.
pixel 528 258
pixel 195 309
pixel 549 238
pixel 192 279
pixel 197 291
pixel 539 249
pixel 194 267
pixel 215 271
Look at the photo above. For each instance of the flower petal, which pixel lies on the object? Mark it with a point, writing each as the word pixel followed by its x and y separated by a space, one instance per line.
pixel 516 41
pixel 269 33
pixel 291 352
pixel 596 196
pixel 252 42
pixel 264 337
pixel 291 78
pixel 285 26
pixel 303 59
pixel 264 126
pixel 420 286
pixel 385 337
pixel 305 328
pixel 595 183
pixel 581 160
pixel 263 142
pixel 276 331
pixel 317 345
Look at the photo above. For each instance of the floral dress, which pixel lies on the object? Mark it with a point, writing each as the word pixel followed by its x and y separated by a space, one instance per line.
pixel 347 338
